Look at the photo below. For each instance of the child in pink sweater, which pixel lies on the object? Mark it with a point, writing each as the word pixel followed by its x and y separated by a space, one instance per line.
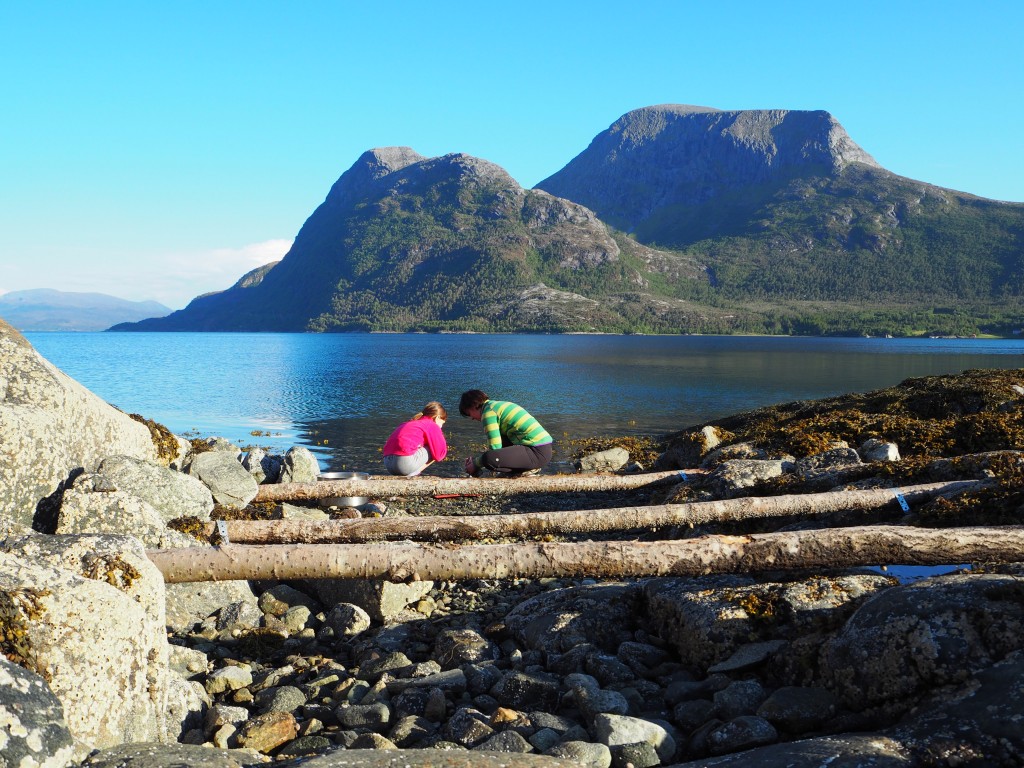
pixel 417 443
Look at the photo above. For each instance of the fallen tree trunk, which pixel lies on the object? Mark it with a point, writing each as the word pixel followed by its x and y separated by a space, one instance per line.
pixel 826 548
pixel 449 527
pixel 379 486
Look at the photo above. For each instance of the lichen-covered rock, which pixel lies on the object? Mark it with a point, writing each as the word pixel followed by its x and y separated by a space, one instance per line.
pixel 603 615
pixel 91 506
pixel 228 481
pixel 86 613
pixel 737 476
pixel 603 461
pixel 299 466
pixel 172 494
pixel 32 727
pixel 52 426
pixel 191 602
pixel 936 632
pixel 709 619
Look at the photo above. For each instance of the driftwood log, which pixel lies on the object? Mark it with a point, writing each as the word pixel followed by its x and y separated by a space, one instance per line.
pixel 380 486
pixel 449 527
pixel 826 548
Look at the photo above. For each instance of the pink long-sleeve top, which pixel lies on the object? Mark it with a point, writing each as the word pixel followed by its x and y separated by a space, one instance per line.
pixel 408 437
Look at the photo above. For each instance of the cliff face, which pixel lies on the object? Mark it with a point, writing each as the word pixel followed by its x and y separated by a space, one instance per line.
pixel 677 155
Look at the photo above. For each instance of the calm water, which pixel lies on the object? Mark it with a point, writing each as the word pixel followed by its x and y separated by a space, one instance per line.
pixel 342 394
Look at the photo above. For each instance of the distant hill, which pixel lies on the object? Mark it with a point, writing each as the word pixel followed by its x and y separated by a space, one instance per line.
pixel 674 219
pixel 49 310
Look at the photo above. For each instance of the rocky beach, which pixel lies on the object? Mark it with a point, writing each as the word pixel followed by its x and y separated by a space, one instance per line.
pixel 760 662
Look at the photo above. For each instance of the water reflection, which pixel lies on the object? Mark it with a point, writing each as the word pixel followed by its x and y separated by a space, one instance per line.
pixel 343 394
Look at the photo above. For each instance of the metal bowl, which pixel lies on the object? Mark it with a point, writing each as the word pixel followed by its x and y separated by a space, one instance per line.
pixel 343 501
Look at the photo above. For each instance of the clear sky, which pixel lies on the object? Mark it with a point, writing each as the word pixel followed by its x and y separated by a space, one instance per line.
pixel 161 150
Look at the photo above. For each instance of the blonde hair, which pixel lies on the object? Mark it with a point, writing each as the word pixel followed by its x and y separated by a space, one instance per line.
pixel 432 410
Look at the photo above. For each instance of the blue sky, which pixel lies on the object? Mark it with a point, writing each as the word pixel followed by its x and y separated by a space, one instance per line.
pixel 160 150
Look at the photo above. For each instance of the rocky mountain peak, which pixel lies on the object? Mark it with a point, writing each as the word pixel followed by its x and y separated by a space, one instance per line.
pixel 675 154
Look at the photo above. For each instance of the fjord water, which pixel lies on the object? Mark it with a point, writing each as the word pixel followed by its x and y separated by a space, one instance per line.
pixel 342 394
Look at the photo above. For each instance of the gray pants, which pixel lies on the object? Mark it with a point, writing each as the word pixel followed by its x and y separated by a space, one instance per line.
pixel 407 465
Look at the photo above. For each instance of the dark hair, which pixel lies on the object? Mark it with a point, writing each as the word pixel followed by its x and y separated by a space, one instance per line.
pixel 474 398
pixel 432 410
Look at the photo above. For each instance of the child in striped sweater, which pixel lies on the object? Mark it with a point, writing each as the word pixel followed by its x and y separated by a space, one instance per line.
pixel 519 445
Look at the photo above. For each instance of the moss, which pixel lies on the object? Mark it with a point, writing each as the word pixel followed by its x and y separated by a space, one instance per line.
pixel 164 440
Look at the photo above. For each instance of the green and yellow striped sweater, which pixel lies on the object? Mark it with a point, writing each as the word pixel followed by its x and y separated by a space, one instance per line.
pixel 514 422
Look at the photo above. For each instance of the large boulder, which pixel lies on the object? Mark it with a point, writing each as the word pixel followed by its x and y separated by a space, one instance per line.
pixel 909 640
pixel 230 483
pixel 92 505
pixel 172 494
pixel 32 727
pixel 50 427
pixel 87 614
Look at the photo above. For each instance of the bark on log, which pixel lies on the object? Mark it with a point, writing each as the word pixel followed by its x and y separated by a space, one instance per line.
pixel 380 486
pixel 449 527
pixel 399 562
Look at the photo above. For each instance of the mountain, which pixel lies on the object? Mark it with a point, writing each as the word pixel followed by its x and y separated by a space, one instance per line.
pixel 48 310
pixel 674 219
pixel 404 242
pixel 782 206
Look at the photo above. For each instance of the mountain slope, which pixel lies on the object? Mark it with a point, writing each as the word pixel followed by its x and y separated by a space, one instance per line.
pixel 784 206
pixel 404 242
pixel 44 309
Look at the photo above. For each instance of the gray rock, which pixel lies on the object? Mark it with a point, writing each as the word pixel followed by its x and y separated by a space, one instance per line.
pixel 440 755
pixel 299 466
pixel 33 731
pixel 241 614
pixel 92 611
pixel 744 732
pixel 798 709
pixel 603 461
pixel 410 730
pixel 594 702
pixel 909 639
pixel 283 698
pixel 227 480
pixel 455 647
pixel 189 603
pixel 583 753
pixel 171 493
pixel 639 755
pixel 736 477
pixel 506 741
pixel 557 621
pixel 822 467
pixel 219 715
pixel 280 597
pixel 467 727
pixel 614 730
pixel 641 657
pixel 741 697
pixel 51 426
pixel 148 755
pixel 874 449
pixel 229 678
pixel 708 619
pixel 373 716
pixel 347 620
pixel 380 599
pixel 264 467
pixel 691 714
pixel 607 669
pixel 749 656
pixel 83 509
pixel 520 690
